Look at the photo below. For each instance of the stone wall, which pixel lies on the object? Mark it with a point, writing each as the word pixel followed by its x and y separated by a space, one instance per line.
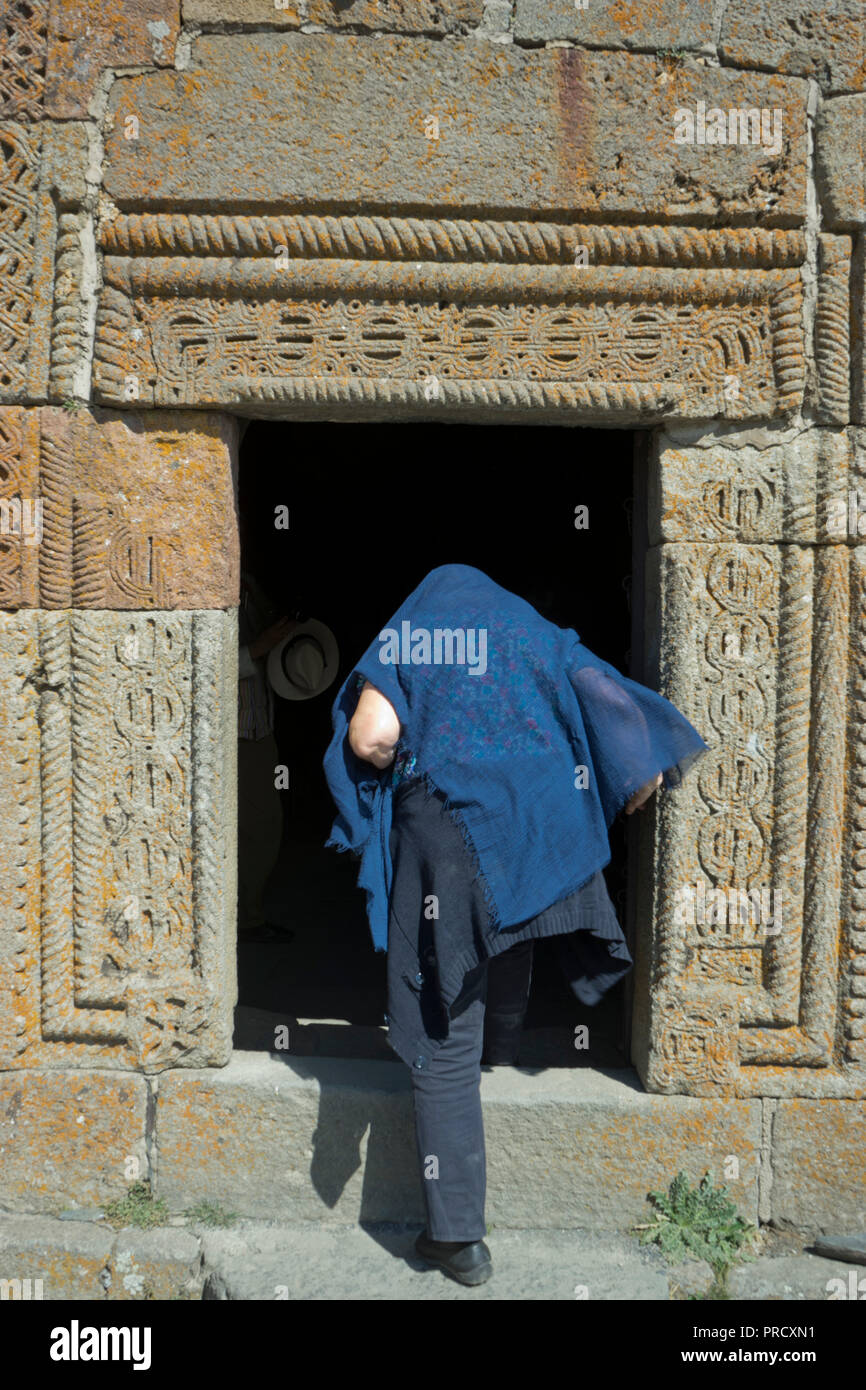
pixel 400 209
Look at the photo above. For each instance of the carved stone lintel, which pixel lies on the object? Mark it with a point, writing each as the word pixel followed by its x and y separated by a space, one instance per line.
pixel 498 318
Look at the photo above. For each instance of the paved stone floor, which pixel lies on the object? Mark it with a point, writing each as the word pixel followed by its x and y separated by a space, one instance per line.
pixel 317 1262
pixel 255 1261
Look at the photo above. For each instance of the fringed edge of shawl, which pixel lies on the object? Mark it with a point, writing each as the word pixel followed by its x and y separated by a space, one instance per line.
pixel 478 876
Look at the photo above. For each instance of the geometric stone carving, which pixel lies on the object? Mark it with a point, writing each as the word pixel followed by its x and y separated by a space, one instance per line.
pixel 41 170
pixel 19 173
pixel 118 740
pixel 779 485
pixel 22 59
pixel 858 333
pixel 758 995
pixel 321 310
pixel 137 512
pixel 19 480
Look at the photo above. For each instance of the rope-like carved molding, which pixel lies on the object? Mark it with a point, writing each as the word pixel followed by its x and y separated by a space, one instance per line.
pixel 826 793
pixel 68 342
pixel 832 328
pixel 167 277
pixel 55 758
pixel 429 239
pixel 211 806
pixel 72 660
pixel 678 574
pixel 86 660
pixel 351 391
pixel 19 1019
pixel 783 950
pixel 55 552
pixel 853 945
pixel 789 358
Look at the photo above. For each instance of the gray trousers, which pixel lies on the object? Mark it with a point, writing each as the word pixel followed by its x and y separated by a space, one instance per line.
pixel 449 1127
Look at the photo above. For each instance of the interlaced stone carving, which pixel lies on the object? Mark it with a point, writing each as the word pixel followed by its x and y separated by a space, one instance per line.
pixel 184 329
pixel 22 58
pixel 19 159
pixel 131 944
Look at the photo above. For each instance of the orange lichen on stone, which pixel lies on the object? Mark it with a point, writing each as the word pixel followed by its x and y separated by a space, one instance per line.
pixel 87 36
pixel 69 1138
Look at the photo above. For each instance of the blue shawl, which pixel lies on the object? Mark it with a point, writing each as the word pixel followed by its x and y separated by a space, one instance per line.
pixel 536 743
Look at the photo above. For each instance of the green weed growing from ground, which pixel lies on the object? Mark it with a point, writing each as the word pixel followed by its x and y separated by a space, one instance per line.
pixel 210 1214
pixel 702 1222
pixel 137 1208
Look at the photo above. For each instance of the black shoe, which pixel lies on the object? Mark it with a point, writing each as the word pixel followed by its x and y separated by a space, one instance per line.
pixel 468 1261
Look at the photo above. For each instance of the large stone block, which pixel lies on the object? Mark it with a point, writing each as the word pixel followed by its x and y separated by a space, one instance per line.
pixel 770 485
pixel 118 736
pixel 824 42
pixel 400 124
pixel 840 167
pixel 683 25
pixel 43 1258
pixel 54 51
pixel 390 16
pixel 819 1177
pixel 69 1140
pixel 333 1141
pixel 160 1264
pixel 326 1139
pixel 136 511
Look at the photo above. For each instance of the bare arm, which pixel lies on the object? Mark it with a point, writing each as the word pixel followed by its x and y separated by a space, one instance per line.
pixel 374 728
pixel 635 803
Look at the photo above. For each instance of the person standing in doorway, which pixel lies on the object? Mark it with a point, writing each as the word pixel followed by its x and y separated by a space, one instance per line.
pixel 480 754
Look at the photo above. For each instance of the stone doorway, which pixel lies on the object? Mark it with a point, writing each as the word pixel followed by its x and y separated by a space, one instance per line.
pixel 357 542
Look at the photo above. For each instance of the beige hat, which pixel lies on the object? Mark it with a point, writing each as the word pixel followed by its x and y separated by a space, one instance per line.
pixel 306 663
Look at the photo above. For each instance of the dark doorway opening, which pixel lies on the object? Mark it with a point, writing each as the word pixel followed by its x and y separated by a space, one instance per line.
pixel 371 509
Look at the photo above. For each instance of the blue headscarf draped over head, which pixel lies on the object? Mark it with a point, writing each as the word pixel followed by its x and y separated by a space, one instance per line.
pixel 535 742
